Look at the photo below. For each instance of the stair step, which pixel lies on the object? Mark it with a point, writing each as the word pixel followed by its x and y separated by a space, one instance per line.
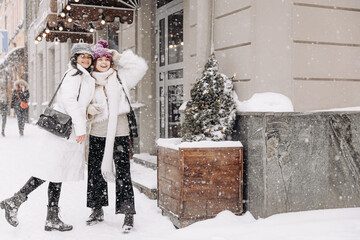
pixel 146 160
pixel 144 179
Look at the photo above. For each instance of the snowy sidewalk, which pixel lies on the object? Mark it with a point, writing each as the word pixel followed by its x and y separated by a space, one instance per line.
pixel 334 224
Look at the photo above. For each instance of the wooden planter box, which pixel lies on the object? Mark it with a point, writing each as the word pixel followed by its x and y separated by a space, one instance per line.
pixel 196 183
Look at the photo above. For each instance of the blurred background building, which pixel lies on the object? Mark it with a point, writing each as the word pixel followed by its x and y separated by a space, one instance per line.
pixel 13 63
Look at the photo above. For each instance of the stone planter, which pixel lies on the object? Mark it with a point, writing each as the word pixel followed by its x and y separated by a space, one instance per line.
pixel 299 161
pixel 196 181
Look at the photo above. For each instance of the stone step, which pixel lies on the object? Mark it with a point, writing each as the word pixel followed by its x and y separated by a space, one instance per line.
pixel 146 160
pixel 144 179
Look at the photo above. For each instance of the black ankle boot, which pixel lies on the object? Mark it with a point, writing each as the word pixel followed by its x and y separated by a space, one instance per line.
pixel 96 216
pixel 53 222
pixel 11 206
pixel 128 223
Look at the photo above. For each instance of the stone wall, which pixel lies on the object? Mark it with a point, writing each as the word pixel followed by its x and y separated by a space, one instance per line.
pixel 299 161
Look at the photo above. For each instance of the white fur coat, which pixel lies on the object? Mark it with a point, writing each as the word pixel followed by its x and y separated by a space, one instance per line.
pixel 67 161
pixel 130 69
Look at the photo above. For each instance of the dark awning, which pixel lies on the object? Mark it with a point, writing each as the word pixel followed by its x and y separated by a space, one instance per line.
pixel 76 19
pixel 53 27
pixel 13 57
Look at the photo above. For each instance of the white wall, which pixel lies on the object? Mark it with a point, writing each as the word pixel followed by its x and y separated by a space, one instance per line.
pixel 308 50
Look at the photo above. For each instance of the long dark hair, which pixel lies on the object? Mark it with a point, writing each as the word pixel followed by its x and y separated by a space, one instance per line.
pixel 74 64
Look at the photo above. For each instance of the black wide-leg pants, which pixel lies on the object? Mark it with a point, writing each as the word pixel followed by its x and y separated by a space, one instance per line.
pixel 97 191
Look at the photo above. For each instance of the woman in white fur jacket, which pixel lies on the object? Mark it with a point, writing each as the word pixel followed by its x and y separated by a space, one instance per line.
pixel 109 135
pixel 67 159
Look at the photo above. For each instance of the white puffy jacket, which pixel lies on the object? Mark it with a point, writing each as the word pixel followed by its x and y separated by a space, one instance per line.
pixel 57 159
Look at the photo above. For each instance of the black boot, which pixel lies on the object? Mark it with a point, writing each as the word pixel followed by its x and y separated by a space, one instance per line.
pixel 11 206
pixel 96 216
pixel 3 133
pixel 128 223
pixel 53 222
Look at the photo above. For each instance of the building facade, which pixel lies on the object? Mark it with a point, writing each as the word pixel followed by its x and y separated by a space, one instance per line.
pixel 307 50
pixel 13 63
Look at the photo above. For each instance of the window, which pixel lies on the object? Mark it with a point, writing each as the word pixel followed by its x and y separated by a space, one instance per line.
pixel 161 3
pixel 113 39
pixel 175 37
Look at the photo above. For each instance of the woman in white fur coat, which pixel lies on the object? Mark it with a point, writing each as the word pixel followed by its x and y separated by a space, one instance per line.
pixel 67 159
pixel 115 74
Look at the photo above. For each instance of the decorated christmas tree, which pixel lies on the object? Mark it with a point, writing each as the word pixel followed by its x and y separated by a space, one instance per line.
pixel 210 114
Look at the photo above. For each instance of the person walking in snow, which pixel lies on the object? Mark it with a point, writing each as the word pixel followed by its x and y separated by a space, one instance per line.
pixel 4 108
pixel 20 96
pixel 67 160
pixel 109 144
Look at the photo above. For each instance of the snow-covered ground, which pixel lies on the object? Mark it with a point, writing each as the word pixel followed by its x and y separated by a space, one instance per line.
pixel 336 224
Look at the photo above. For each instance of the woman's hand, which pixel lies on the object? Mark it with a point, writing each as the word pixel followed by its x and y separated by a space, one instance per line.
pixel 115 54
pixel 80 139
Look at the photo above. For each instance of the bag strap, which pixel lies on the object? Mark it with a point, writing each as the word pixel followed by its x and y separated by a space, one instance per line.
pixel 53 98
pixel 18 95
pixel 124 92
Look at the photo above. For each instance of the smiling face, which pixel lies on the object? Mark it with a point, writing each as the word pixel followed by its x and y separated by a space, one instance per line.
pixel 84 60
pixel 102 64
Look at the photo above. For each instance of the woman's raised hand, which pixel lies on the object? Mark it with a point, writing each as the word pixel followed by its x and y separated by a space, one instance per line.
pixel 115 54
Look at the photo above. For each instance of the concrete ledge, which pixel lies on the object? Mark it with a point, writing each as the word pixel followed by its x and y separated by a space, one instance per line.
pixel 145 161
pixel 150 193
pixel 299 161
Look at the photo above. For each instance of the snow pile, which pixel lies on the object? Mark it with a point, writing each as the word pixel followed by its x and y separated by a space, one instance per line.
pixel 346 109
pixel 265 102
pixel 334 224
pixel 176 143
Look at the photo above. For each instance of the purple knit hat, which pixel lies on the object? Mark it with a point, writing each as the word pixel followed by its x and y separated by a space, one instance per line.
pixel 100 50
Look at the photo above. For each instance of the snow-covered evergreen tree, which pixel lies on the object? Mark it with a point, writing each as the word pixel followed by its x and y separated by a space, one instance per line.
pixel 210 114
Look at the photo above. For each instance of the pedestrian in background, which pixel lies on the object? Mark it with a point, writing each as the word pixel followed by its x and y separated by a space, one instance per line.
pixel 4 108
pixel 19 101
pixel 115 74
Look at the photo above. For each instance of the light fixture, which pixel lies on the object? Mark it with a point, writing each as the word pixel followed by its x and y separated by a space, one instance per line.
pixel 92 28
pixel 62 14
pixel 102 19
pixel 38 38
pixel 68 7
pixel 60 27
pixel 44 34
pixel 47 30
pixel 69 18
pixel 77 1
pixel 56 40
pixel 36 42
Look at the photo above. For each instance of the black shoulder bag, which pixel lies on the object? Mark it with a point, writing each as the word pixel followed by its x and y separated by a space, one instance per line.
pixel 131 117
pixel 55 122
